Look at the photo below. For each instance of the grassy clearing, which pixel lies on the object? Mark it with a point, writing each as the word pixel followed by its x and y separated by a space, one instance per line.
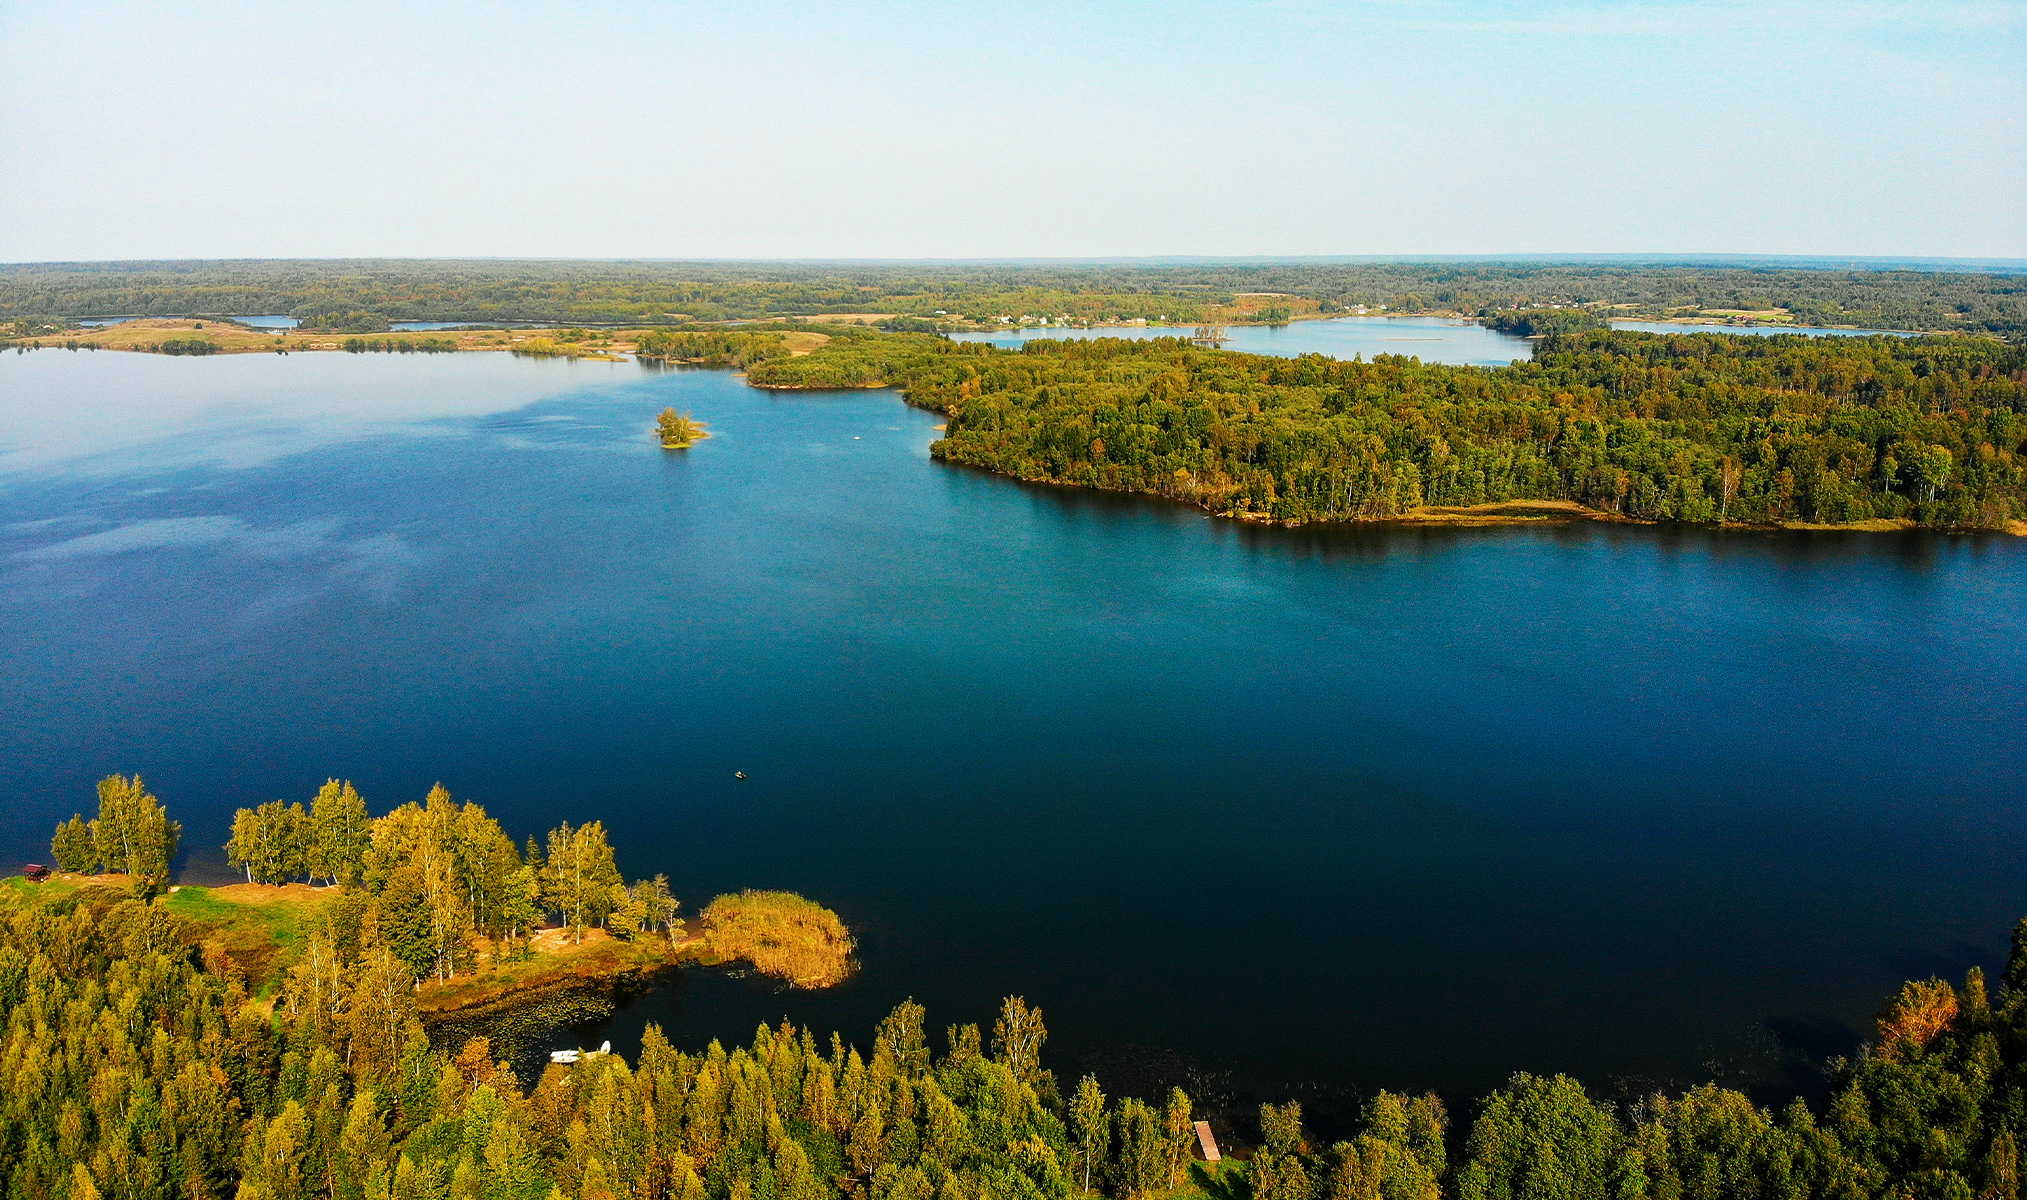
pixel 261 928
pixel 782 935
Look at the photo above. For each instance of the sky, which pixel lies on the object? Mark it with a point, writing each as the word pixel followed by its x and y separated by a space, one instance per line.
pixel 893 130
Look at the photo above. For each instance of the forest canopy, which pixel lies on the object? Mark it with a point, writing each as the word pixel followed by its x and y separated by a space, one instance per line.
pixel 1669 427
pixel 138 1062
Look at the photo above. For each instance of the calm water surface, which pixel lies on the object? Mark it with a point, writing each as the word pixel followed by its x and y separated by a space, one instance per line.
pixel 1376 807
pixel 1432 339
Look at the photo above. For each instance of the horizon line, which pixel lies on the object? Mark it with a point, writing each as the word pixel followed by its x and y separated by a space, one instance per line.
pixel 1820 261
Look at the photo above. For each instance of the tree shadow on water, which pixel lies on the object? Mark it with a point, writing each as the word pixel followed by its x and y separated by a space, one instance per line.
pixel 1940 962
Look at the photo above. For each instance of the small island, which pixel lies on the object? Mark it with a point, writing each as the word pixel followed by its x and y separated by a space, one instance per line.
pixel 679 431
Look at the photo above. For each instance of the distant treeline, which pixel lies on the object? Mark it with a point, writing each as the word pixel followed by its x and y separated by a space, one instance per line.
pixel 713 348
pixel 400 345
pixel 361 296
pixel 1693 427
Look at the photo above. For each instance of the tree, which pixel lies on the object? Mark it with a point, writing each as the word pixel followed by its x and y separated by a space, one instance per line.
pixel 133 833
pixel 1540 1139
pixel 1017 1038
pixel 580 880
pixel 340 833
pixel 72 847
pixel 1142 1165
pixel 678 431
pixel 485 860
pixel 270 843
pixel 522 909
pixel 1091 1126
pixel 1930 466
pixel 661 906
pixel 419 842
pixel 1179 1130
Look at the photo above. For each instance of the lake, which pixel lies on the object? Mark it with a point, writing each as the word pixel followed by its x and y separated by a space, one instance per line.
pixel 1432 339
pixel 1315 809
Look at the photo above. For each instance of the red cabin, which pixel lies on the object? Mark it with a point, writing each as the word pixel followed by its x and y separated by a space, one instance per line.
pixel 35 872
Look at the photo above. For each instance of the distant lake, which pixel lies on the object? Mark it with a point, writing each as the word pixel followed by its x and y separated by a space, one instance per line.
pixel 1431 339
pixel 1341 807
pixel 1758 330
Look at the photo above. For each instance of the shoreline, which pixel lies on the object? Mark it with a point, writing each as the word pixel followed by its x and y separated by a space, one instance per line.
pixel 257 926
pixel 617 343
pixel 1504 513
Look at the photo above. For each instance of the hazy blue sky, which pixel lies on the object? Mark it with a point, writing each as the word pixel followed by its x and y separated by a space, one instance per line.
pixel 1047 129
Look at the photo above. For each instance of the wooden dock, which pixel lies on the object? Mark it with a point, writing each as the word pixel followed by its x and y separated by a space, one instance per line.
pixel 1206 1143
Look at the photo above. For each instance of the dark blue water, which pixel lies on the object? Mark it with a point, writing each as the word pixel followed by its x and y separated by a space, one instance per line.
pixel 1365 807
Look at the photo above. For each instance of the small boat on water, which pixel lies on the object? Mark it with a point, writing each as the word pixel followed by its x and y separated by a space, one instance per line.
pixel 568 1057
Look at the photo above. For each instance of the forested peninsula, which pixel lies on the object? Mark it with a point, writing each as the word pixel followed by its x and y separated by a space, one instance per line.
pixel 435 893
pixel 139 1061
pixel 1873 432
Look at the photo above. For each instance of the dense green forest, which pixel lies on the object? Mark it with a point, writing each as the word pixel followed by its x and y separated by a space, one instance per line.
pixel 360 296
pixel 138 1062
pixel 1667 427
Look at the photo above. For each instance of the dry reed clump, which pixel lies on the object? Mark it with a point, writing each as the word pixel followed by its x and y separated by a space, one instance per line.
pixel 782 935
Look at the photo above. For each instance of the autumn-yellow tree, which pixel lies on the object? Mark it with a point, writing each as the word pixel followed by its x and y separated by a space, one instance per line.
pixel 580 881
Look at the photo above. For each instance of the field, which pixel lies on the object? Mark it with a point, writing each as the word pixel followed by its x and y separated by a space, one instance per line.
pixel 152 334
